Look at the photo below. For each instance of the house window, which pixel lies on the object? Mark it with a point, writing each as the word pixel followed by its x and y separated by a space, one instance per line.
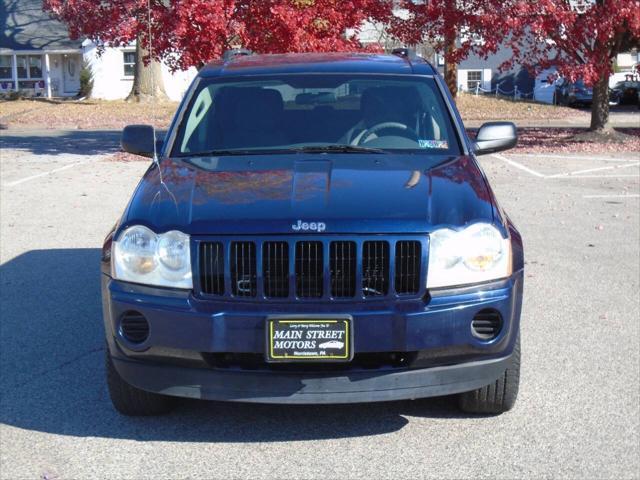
pixel 474 79
pixel 35 66
pixel 29 67
pixel 129 61
pixel 6 68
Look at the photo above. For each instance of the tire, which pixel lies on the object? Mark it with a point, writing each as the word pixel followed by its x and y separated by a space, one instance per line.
pixel 497 397
pixel 132 401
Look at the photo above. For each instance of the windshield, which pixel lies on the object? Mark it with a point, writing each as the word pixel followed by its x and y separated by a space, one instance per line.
pixel 316 113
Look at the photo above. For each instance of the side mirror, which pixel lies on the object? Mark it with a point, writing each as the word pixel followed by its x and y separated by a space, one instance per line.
pixel 138 139
pixel 495 137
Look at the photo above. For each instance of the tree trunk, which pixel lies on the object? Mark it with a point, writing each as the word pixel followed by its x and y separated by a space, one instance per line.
pixel 450 68
pixel 147 80
pixel 600 105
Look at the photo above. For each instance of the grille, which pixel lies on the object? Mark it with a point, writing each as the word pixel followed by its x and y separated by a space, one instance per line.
pixel 342 263
pixel 243 269
pixel 375 268
pixel 212 268
pixel 309 265
pixel 310 269
pixel 275 269
pixel 486 324
pixel 408 256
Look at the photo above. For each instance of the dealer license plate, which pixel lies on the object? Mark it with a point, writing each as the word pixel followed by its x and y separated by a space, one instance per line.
pixel 309 339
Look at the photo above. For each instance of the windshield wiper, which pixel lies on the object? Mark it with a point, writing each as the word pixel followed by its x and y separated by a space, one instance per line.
pixel 304 149
pixel 222 152
pixel 337 149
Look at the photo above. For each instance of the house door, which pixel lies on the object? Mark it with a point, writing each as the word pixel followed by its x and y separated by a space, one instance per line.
pixel 71 73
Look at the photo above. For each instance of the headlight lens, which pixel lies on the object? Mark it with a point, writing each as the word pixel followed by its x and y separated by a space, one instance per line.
pixel 173 251
pixel 142 256
pixel 476 254
pixel 138 250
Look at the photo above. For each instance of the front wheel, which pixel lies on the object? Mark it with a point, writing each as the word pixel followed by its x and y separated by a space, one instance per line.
pixel 499 396
pixel 131 401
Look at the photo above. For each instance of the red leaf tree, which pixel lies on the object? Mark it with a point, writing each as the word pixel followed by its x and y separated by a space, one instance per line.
pixel 580 39
pixel 205 29
pixel 192 32
pixel 456 28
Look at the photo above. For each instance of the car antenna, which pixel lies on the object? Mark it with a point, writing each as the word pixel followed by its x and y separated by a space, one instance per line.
pixel 154 110
pixel 154 116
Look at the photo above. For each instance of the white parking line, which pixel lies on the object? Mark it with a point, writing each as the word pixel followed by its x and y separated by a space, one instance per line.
pixel 44 174
pixel 518 165
pixel 628 195
pixel 575 174
pixel 591 170
pixel 570 177
pixel 574 157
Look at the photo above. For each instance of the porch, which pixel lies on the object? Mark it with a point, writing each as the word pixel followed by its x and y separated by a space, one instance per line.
pixel 40 73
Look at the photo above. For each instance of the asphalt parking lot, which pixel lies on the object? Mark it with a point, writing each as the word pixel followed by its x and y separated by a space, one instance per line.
pixel 577 416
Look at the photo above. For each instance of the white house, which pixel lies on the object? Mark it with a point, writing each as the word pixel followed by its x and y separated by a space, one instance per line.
pixel 113 73
pixel 37 58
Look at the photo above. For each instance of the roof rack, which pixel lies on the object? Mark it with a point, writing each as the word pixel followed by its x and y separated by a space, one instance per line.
pixel 404 52
pixel 236 52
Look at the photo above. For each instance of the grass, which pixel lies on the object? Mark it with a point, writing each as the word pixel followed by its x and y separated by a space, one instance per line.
pixel 91 114
pixel 489 108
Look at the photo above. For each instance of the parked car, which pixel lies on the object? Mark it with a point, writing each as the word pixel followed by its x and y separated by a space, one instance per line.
pixel 572 94
pixel 625 93
pixel 266 227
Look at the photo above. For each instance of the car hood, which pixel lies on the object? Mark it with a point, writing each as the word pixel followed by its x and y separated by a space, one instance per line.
pixel 277 194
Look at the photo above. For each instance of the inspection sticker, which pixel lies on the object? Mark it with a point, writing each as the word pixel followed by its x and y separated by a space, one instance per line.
pixel 435 144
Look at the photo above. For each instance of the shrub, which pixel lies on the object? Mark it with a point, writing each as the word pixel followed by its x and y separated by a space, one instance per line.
pixel 86 80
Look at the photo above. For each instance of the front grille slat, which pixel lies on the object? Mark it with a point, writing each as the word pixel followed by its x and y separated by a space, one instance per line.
pixel 343 267
pixel 375 268
pixel 310 269
pixel 212 268
pixel 243 269
pixel 408 258
pixel 275 269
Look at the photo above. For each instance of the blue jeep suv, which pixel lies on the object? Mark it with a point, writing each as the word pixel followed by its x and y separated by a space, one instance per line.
pixel 314 228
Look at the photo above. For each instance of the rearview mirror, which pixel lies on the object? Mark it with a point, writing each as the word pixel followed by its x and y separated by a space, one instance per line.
pixel 495 137
pixel 138 139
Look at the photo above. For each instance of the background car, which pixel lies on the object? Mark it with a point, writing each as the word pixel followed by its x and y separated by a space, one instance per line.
pixel 572 94
pixel 625 93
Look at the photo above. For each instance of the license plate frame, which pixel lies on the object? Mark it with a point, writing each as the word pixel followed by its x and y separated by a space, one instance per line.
pixel 309 323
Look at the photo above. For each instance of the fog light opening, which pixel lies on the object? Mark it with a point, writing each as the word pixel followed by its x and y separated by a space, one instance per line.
pixel 134 327
pixel 486 324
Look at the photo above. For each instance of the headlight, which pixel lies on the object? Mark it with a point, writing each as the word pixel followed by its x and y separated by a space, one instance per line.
pixel 476 254
pixel 141 256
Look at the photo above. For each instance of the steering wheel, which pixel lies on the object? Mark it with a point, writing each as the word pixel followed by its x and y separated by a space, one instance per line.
pixel 408 132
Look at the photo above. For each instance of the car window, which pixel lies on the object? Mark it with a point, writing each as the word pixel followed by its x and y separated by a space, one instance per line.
pixel 290 112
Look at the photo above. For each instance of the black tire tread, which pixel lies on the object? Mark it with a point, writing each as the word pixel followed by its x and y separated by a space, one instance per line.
pixel 131 401
pixel 499 396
